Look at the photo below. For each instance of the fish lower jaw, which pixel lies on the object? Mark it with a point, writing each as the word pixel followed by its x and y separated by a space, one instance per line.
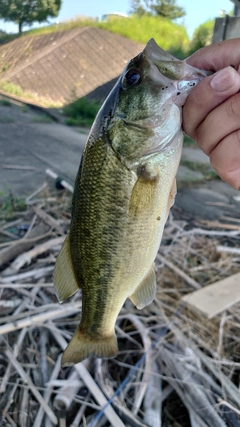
pixel 182 89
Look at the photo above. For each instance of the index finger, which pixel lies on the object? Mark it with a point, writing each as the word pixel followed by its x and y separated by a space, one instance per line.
pixel 204 98
pixel 217 56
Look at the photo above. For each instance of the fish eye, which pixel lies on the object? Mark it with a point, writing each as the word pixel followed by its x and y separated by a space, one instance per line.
pixel 132 78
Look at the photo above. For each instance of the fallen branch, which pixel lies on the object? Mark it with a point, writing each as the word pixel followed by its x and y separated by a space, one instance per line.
pixel 228 250
pixel 179 272
pixel 152 400
pixel 25 285
pixel 141 390
pixel 17 247
pixel 92 386
pixel 16 350
pixel 103 379
pixel 68 391
pixel 77 419
pixel 202 232
pixel 193 392
pixel 26 257
pixel 48 219
pixel 37 273
pixel 217 224
pixel 39 319
pixel 19 167
pixel 47 393
pixel 27 380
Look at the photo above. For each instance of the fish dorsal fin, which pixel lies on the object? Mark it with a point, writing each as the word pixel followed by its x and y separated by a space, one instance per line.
pixel 64 278
pixel 146 291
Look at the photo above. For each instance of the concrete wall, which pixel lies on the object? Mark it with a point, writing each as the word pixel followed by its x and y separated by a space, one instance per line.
pixel 226 28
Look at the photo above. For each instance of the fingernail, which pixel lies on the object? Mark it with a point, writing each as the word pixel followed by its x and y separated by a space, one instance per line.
pixel 223 80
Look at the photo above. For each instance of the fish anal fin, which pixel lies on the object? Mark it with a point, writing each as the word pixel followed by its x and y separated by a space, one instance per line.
pixel 83 345
pixel 146 291
pixel 64 278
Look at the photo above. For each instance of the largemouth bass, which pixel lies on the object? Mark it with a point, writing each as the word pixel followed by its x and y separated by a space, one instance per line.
pixel 124 189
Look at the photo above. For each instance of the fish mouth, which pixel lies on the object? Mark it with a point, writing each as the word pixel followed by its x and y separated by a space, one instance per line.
pixel 171 67
pixel 173 74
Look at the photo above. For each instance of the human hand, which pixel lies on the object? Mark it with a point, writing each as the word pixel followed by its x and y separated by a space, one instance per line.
pixel 211 114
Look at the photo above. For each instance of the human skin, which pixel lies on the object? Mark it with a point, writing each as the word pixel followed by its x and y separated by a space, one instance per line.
pixel 211 114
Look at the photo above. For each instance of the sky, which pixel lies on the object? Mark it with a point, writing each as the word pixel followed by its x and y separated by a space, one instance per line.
pixel 196 12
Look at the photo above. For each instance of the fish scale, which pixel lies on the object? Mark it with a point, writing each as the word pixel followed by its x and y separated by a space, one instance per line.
pixel 123 192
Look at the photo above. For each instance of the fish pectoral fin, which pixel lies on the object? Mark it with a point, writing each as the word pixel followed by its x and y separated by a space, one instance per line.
pixel 82 346
pixel 64 279
pixel 146 291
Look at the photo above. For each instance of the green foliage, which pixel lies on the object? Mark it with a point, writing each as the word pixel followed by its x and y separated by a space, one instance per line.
pixel 4 68
pixel 42 118
pixel 79 22
pixel 205 169
pixel 11 88
pixel 168 9
pixel 188 142
pixel 81 112
pixel 137 8
pixel 9 204
pixel 27 12
pixel 17 91
pixel 202 36
pixel 165 8
pixel 25 109
pixel 168 35
pixel 5 103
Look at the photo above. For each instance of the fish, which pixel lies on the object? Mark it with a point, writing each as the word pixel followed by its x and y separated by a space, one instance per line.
pixel 123 191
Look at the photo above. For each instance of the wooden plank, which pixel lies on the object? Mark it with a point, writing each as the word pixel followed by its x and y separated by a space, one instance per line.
pixel 215 298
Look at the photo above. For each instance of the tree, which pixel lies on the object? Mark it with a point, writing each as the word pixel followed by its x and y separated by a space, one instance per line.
pixel 25 12
pixel 202 36
pixel 166 8
pixel 138 9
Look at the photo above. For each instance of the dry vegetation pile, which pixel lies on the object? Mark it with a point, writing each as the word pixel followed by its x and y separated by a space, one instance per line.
pixel 174 367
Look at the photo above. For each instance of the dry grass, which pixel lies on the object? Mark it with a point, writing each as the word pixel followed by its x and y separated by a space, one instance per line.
pixel 174 368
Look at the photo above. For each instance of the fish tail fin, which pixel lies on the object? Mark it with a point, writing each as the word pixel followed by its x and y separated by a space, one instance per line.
pixel 82 346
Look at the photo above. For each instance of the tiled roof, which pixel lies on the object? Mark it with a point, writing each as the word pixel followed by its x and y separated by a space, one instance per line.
pixel 66 65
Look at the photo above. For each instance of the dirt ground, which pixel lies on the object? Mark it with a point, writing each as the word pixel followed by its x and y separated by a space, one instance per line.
pixel 30 142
